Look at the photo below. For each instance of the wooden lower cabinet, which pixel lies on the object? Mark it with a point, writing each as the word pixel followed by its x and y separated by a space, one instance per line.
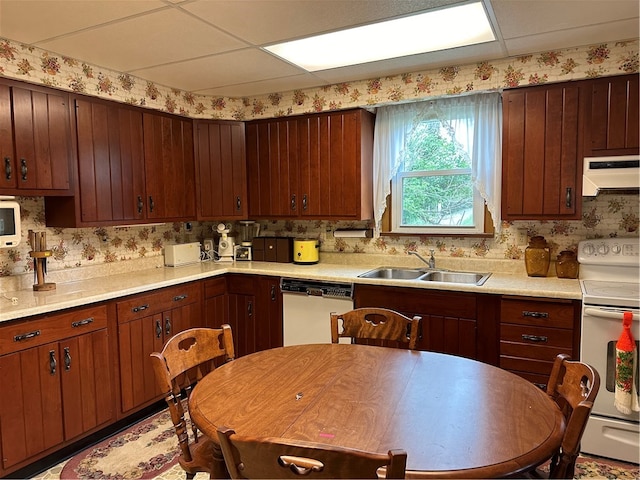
pixel 145 323
pixel 533 331
pixel 251 304
pixel 458 323
pixel 56 381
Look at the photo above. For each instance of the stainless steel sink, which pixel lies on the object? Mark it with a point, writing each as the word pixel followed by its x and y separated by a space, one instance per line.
pixel 391 273
pixel 436 276
pixel 456 277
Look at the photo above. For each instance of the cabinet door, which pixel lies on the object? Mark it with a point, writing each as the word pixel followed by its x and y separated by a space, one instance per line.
pixel 31 403
pixel 272 168
pixel 542 152
pixel 110 162
pixel 42 140
pixel 243 323
pixel 221 178
pixel 612 126
pixel 215 302
pixel 87 396
pixel 332 184
pixel 268 323
pixel 169 167
pixel 9 173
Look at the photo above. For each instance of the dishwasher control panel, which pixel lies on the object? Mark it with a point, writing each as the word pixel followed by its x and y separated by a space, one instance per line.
pixel 317 288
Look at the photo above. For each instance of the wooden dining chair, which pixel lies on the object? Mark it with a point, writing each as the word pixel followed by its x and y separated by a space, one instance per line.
pixel 255 458
pixel 377 326
pixel 184 360
pixel 573 386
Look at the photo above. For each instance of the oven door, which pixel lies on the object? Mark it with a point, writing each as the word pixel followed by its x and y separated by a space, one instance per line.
pixel 609 433
pixel 601 328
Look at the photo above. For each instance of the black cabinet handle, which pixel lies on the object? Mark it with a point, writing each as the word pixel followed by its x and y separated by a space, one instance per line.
pixel 8 171
pixel 82 323
pixel 535 338
pixel 177 298
pixel 52 362
pixel 26 336
pixel 568 200
pixel 167 326
pixel 273 293
pixel 23 169
pixel 238 203
pixel 140 204
pixel 304 202
pixel 67 359
pixel 158 329
pixel 293 202
pixel 250 309
pixel 151 204
pixel 140 308
pixel 535 314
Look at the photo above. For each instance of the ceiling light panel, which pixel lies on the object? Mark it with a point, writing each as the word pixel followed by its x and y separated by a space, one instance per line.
pixel 425 32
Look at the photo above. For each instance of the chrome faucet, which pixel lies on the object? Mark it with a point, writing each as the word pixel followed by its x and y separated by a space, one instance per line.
pixel 432 260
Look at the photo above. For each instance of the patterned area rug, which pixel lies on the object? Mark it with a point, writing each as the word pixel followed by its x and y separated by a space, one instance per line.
pixel 149 450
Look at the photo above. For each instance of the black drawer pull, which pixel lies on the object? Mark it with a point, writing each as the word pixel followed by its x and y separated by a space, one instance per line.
pixel 140 308
pixel 177 298
pixel 535 338
pixel 26 336
pixel 81 323
pixel 526 313
pixel 541 386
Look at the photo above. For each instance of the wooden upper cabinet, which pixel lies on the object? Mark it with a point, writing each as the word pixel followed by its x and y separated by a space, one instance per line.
pixel 272 168
pixel 221 171
pixel 313 166
pixel 169 167
pixel 36 144
pixel 612 119
pixel 542 152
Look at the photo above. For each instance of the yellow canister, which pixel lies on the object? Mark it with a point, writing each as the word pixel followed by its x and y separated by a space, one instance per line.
pixel 306 251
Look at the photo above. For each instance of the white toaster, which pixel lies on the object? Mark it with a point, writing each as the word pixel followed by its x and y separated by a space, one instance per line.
pixel 181 254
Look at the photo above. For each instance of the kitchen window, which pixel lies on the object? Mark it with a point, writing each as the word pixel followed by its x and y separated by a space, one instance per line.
pixel 441 163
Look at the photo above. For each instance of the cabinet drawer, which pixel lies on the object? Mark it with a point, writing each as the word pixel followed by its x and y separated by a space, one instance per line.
pixel 147 304
pixel 215 287
pixel 540 313
pixel 536 352
pixel 32 333
pixel 526 365
pixel 539 336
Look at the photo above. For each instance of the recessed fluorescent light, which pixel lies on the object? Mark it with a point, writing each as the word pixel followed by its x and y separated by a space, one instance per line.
pixel 425 32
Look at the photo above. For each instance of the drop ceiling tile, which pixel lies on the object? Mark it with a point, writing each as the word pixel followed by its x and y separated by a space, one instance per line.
pixel 284 84
pixel 220 70
pixel 161 37
pixel 30 21
pixel 627 29
pixel 528 17
pixel 277 20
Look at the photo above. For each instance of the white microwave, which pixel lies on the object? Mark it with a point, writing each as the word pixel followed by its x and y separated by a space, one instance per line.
pixel 9 222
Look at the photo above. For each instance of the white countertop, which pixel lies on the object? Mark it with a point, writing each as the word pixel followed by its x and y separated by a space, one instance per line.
pixel 97 289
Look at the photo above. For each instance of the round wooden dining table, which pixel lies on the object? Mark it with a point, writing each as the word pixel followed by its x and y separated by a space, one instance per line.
pixel 455 417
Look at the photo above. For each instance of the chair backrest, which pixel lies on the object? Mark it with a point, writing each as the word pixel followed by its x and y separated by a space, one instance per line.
pixel 278 458
pixel 376 324
pixel 184 360
pixel 574 386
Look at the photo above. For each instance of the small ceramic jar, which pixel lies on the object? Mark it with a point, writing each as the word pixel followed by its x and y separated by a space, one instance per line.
pixel 567 264
pixel 537 257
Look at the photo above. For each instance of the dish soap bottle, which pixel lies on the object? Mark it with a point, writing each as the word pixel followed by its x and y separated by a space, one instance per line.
pixel 537 257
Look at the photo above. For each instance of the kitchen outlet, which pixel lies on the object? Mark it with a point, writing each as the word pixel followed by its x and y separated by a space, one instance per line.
pixel 521 236
pixel 207 244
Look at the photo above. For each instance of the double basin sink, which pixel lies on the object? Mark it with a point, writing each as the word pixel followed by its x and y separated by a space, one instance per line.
pixel 440 276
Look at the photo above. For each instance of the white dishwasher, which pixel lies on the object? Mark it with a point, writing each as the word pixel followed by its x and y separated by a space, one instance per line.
pixel 306 309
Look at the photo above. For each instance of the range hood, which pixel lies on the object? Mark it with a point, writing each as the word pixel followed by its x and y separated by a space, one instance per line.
pixel 610 173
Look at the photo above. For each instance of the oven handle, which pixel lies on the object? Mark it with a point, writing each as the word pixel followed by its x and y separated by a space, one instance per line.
pixel 616 315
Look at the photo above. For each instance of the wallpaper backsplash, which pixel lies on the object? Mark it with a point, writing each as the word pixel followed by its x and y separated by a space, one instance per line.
pixel 604 216
pixel 607 215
